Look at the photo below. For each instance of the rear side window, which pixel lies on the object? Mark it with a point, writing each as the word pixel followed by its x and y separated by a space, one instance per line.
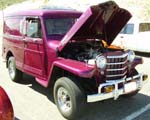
pixel 12 26
pixel 34 28
pixel 143 27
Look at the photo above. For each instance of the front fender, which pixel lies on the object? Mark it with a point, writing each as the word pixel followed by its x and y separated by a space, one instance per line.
pixel 137 60
pixel 75 67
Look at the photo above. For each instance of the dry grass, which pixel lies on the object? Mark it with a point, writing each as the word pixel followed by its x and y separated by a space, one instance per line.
pixel 6 3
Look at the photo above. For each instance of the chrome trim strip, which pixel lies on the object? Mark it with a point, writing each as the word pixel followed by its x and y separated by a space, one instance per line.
pixel 121 56
pixel 111 66
pixel 117 80
pixel 117 69
pixel 117 63
pixel 117 75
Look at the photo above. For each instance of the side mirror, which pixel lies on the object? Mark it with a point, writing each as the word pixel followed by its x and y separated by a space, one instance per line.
pixel 23 27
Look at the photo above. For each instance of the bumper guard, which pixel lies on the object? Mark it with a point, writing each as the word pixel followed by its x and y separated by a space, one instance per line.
pixel 116 92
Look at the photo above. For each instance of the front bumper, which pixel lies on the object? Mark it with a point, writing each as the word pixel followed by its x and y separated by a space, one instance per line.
pixel 138 80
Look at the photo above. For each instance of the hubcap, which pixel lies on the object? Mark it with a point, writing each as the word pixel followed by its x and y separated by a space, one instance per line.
pixel 12 69
pixel 64 100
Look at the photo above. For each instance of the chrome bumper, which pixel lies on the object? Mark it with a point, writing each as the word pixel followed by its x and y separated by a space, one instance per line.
pixel 116 92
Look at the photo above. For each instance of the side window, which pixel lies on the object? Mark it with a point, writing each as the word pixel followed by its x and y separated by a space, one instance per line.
pixel 11 26
pixel 144 27
pixel 34 28
pixel 128 29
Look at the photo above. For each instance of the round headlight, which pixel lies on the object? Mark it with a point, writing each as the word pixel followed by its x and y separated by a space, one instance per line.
pixel 101 62
pixel 131 56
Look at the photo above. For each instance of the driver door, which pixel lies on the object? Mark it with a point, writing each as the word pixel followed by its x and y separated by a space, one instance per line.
pixel 33 48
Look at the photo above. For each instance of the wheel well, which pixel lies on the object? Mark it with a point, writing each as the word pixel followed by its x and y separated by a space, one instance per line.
pixel 57 73
pixel 9 54
pixel 88 84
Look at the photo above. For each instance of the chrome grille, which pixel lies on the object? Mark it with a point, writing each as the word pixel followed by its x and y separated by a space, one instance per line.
pixel 116 67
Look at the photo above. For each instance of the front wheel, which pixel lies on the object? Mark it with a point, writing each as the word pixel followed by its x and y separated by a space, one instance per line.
pixel 69 98
pixel 14 73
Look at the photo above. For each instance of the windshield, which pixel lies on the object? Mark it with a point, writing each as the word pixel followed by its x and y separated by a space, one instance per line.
pixel 58 26
pixel 128 29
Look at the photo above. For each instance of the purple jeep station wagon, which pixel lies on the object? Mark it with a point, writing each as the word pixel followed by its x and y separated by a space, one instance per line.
pixel 71 52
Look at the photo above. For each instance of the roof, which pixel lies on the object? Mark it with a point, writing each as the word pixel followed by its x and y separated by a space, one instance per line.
pixel 45 12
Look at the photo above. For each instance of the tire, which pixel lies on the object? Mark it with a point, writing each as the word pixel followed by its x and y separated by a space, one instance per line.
pixel 14 73
pixel 131 94
pixel 69 98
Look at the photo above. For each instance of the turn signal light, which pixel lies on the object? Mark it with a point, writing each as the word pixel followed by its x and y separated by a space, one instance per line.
pixel 108 89
pixel 145 77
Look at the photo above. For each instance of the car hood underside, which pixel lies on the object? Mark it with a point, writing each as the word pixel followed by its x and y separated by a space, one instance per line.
pixel 102 21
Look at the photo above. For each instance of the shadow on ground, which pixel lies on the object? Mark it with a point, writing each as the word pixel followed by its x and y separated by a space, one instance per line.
pixel 29 80
pixel 115 110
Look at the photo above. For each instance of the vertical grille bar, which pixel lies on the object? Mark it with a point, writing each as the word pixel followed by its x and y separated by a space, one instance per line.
pixel 116 67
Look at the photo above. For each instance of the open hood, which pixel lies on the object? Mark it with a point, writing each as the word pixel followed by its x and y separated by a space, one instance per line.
pixel 102 21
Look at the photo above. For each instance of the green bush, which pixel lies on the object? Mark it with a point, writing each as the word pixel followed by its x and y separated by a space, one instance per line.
pixel 5 3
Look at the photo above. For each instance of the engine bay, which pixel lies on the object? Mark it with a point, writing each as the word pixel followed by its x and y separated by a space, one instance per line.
pixel 84 51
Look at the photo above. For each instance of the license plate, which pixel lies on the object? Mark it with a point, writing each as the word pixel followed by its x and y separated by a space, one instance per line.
pixel 129 87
